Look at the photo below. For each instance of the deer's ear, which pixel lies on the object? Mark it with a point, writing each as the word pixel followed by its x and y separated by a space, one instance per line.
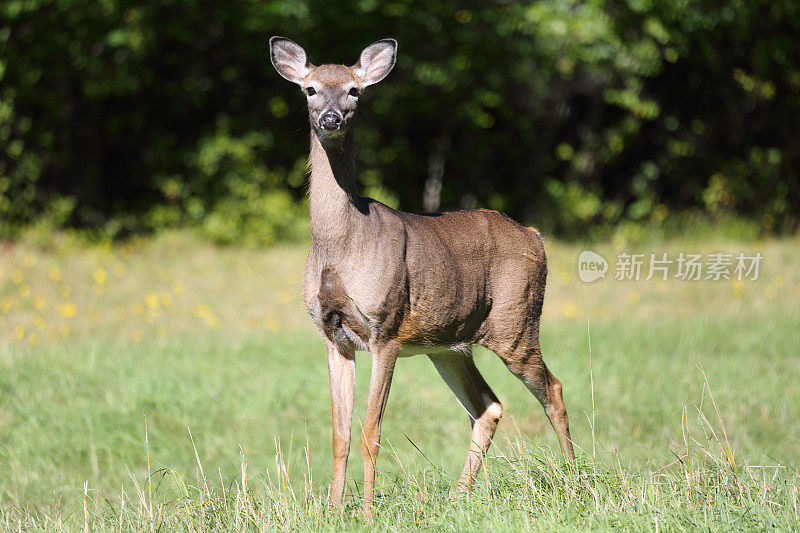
pixel 376 61
pixel 289 59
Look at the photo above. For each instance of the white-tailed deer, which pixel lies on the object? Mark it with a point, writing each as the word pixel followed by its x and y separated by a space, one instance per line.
pixel 399 284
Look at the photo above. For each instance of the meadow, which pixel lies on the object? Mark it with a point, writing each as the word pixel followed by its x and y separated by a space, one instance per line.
pixel 165 383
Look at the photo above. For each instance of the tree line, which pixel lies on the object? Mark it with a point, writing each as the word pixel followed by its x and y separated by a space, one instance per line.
pixel 134 116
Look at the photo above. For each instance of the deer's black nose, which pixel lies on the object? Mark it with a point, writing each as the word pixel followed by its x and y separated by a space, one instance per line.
pixel 330 120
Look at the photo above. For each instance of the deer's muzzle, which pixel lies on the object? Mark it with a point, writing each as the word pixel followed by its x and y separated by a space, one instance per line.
pixel 330 120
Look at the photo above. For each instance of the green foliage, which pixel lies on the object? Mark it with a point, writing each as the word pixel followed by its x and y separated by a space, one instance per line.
pixel 569 115
pixel 231 194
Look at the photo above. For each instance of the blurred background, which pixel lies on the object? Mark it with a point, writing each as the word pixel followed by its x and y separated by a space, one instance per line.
pixel 122 117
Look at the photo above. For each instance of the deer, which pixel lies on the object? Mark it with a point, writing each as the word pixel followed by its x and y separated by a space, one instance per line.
pixel 397 284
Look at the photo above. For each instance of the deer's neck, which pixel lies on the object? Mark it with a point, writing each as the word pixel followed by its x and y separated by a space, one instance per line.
pixel 334 204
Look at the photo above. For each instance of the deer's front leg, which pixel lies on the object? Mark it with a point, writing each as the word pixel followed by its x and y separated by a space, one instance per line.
pixel 383 363
pixel 341 370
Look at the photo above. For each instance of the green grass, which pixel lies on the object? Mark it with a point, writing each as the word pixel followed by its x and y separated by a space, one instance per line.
pixel 111 356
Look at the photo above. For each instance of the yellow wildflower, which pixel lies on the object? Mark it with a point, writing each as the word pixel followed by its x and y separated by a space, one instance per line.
pixel 67 310
pixel 738 288
pixel 39 303
pixel 152 300
pixel 99 276
pixel 202 311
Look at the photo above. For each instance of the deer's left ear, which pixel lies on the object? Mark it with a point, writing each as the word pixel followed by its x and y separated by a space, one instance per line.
pixel 376 61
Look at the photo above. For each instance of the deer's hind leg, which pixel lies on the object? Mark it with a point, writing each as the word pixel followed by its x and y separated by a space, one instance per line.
pixel 524 360
pixel 458 370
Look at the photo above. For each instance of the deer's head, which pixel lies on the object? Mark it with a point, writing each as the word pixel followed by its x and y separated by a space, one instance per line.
pixel 332 91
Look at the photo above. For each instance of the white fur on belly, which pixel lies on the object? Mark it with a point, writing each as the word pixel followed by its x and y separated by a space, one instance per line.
pixel 410 350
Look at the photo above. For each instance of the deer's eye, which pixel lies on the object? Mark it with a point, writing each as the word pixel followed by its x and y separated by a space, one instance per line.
pixel 354 92
pixel 311 91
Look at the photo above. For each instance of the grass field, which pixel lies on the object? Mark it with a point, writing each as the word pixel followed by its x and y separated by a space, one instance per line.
pixel 169 384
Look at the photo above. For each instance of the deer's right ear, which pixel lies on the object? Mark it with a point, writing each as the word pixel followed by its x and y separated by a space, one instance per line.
pixel 289 59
